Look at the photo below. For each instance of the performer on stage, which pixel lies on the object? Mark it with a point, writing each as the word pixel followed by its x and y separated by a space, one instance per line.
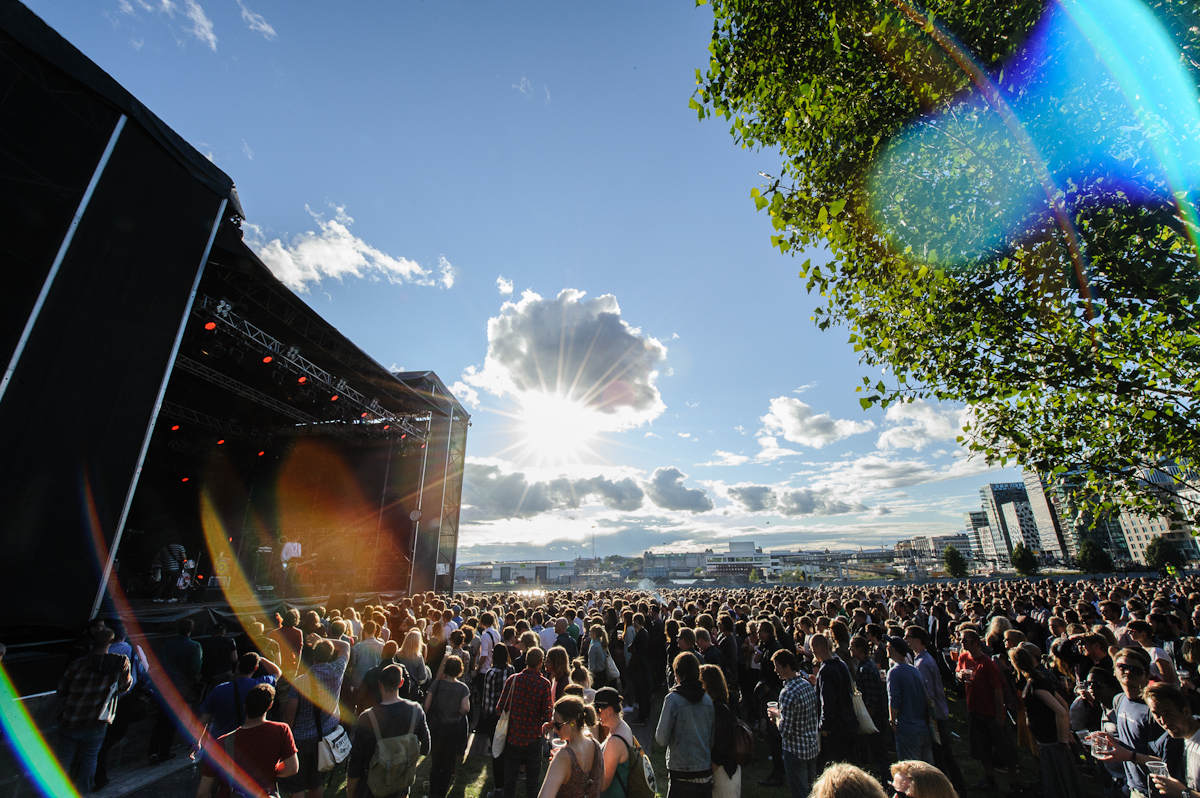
pixel 170 560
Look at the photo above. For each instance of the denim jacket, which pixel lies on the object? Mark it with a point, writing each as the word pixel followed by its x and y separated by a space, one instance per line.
pixel 685 728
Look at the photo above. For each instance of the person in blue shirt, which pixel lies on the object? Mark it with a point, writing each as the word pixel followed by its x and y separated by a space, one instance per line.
pixel 224 708
pixel 908 705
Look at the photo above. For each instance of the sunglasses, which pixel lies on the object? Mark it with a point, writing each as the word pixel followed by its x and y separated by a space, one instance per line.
pixel 1123 668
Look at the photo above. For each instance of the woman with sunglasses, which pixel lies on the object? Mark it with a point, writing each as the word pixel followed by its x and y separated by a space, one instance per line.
pixel 577 768
pixel 913 778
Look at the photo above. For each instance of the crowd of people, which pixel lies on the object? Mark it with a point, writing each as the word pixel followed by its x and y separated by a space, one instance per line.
pixel 844 690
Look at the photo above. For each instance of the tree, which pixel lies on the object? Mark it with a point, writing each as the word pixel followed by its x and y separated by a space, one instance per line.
pixel 1162 552
pixel 754 577
pixel 1092 558
pixel 956 563
pixel 972 258
pixel 1024 560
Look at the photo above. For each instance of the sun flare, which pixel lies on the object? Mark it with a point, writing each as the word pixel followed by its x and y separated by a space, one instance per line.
pixel 554 429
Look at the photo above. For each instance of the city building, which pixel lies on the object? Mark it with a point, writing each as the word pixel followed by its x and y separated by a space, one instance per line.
pixel 742 558
pixel 1022 528
pixel 1046 517
pixel 541 572
pixel 994 497
pixel 975 522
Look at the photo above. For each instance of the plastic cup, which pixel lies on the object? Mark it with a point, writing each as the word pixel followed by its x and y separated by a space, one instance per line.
pixel 558 743
pixel 1100 746
pixel 1157 768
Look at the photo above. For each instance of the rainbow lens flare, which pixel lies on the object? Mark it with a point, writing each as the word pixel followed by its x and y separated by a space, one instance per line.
pixel 1095 107
pixel 29 746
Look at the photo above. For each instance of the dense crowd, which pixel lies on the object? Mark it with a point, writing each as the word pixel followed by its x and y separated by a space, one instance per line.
pixel 844 688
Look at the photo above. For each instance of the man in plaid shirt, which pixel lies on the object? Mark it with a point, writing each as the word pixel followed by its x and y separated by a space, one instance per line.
pixel 529 699
pixel 90 688
pixel 798 717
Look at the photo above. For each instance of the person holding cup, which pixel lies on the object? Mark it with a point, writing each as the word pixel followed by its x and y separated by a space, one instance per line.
pixel 1136 728
pixel 1178 774
pixel 797 716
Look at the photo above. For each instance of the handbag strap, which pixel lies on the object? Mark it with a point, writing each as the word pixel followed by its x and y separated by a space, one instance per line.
pixel 628 761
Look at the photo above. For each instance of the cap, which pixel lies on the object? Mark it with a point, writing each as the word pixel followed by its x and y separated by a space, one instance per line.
pixel 607 697
pixel 901 645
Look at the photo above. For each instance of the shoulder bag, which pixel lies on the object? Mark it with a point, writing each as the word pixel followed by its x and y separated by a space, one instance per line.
pixel 500 735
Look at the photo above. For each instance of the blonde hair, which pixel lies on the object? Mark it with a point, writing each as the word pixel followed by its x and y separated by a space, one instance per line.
pixel 413 646
pixel 846 781
pixel 927 781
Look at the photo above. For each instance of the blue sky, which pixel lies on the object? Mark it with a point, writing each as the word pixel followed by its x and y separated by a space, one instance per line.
pixel 473 188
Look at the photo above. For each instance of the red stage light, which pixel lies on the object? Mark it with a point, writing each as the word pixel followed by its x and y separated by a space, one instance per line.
pixel 210 326
pixel 175 427
pixel 199 576
pixel 385 426
pixel 333 398
pixel 185 479
pixel 302 380
pixel 268 359
pixel 402 437
pixel 364 415
pixel 422 446
pixel 220 442
pixel 260 454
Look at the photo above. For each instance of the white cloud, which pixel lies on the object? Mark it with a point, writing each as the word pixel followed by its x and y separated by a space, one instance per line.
pixel 546 89
pixel 726 459
pixel 202 27
pixel 490 491
pixel 525 87
pixel 256 22
pixel 505 286
pixel 665 488
pixel 797 423
pixel 447 274
pixel 684 434
pixel 652 435
pixel 875 472
pixel 804 387
pixel 575 348
pixel 249 153
pixel 336 252
pixel 790 502
pixel 915 425
pixel 769 449
pixel 465 393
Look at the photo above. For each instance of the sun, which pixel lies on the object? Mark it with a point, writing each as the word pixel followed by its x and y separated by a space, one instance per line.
pixel 555 429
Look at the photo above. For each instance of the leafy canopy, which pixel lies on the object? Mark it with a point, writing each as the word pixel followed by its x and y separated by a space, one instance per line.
pixel 1074 336
pixel 1024 560
pixel 1092 558
pixel 956 563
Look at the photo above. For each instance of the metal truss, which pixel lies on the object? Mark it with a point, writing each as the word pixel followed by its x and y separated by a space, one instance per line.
pixel 223 316
pixel 199 419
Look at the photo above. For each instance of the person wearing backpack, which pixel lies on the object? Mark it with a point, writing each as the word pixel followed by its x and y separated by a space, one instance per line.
pixel 261 750
pixel 388 741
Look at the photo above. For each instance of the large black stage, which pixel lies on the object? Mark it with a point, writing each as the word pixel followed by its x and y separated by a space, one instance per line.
pixel 162 386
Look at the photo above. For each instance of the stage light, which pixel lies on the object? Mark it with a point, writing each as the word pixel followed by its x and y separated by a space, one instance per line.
pixel 210 325
pixel 174 428
pixel 333 398
pixel 302 380
pixel 422 446
pixel 185 479
pixel 220 442
pixel 386 426
pixel 402 437
pixel 364 415
pixel 268 359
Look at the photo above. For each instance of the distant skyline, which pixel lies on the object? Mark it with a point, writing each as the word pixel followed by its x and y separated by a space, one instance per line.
pixel 519 199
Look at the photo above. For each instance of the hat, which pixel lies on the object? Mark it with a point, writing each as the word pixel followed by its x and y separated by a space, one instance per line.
pixel 901 645
pixel 607 697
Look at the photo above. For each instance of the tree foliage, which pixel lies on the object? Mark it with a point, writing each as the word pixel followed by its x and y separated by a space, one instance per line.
pixel 956 563
pixel 1161 552
pixel 1074 340
pixel 1024 560
pixel 1092 558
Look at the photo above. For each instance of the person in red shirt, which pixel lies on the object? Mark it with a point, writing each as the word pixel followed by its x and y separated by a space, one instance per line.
pixel 986 716
pixel 262 751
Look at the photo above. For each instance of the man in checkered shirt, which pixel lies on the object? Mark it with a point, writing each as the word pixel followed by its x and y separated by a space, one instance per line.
pixel 529 699
pixel 90 688
pixel 799 720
